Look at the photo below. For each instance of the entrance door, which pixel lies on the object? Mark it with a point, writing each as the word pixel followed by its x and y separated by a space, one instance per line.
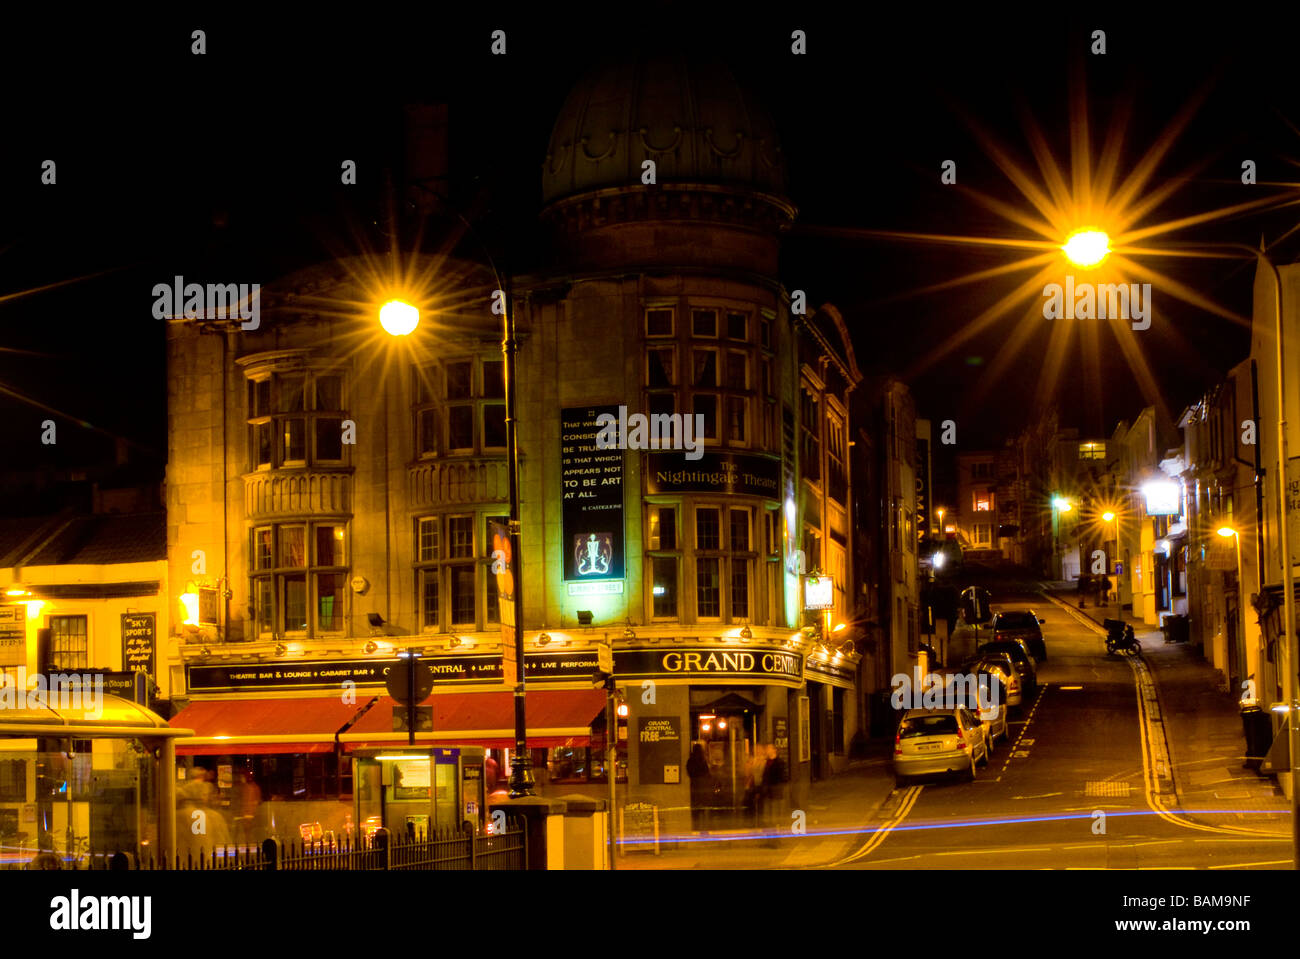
pixel 728 739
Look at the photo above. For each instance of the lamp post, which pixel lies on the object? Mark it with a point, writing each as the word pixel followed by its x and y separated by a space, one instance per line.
pixel 1241 585
pixel 1112 517
pixel 400 319
pixel 1060 506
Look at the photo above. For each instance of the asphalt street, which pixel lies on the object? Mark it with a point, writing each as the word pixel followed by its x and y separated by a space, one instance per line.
pixel 1075 788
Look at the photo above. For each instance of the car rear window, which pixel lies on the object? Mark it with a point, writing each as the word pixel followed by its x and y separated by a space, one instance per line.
pixel 1011 649
pixel 941 725
pixel 1016 621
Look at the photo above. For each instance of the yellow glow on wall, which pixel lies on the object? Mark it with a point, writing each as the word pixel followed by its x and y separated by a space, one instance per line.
pixel 190 608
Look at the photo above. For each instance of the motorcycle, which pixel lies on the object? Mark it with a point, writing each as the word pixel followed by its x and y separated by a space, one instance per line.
pixel 1120 639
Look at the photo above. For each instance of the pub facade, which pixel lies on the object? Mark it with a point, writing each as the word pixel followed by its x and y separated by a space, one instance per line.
pixel 334 492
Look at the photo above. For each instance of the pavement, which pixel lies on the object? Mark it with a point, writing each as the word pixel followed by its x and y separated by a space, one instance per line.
pixel 836 810
pixel 1203 731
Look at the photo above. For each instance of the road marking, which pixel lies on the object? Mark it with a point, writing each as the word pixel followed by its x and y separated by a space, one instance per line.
pixel 985 852
pixel 1141 674
pixel 1043 796
pixel 910 796
pixel 1247 865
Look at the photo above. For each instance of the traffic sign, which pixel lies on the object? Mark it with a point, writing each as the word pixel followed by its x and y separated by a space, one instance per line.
pixel 398 682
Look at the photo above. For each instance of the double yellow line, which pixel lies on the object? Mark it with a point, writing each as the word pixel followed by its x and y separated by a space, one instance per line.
pixel 874 841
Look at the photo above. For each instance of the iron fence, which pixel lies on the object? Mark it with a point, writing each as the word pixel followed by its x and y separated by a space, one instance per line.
pixel 447 849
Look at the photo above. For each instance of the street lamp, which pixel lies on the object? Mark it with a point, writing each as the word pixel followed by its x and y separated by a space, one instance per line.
pixel 1109 516
pixel 1226 531
pixel 1059 505
pixel 1087 247
pixel 400 319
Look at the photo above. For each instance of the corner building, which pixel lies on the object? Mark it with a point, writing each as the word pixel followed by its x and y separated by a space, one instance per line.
pixel 692 565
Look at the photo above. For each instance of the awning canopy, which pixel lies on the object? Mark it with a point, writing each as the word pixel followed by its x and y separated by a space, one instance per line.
pixel 265 726
pixel 555 718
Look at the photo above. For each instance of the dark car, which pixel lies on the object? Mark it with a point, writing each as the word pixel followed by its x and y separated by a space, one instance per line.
pixel 1022 624
pixel 1023 662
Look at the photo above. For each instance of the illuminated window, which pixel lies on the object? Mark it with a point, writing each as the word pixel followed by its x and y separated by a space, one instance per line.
pixel 454 582
pixel 459 407
pixel 295 419
pixel 68 642
pixel 661 543
pixel 298 578
pixel 983 501
pixel 1092 451
pixel 724 563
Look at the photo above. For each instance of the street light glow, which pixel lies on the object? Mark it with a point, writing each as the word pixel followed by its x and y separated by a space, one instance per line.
pixel 1226 531
pixel 1108 516
pixel 937 559
pixel 398 318
pixel 1087 248
pixel 1062 504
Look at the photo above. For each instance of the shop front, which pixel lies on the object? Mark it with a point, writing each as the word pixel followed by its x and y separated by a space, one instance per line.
pixel 317 750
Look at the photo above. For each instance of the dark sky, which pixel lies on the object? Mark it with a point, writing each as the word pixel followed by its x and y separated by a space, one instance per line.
pixel 227 163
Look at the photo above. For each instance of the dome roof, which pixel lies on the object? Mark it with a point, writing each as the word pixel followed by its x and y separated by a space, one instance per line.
pixel 691 117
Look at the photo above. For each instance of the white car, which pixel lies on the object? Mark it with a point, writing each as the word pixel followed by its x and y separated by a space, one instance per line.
pixel 939 741
pixel 978 690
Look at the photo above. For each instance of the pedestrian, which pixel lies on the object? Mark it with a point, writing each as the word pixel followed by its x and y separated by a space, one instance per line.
pixel 773 787
pixel 754 785
pixel 248 801
pixel 1085 584
pixel 1103 591
pixel 697 768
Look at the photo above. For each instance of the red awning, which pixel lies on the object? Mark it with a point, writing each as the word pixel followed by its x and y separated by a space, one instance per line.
pixel 555 717
pixel 262 726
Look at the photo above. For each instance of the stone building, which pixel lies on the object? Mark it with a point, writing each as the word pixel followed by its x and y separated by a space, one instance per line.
pixel 332 491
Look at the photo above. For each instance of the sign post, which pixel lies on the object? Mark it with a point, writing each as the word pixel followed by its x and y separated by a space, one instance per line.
pixel 410 682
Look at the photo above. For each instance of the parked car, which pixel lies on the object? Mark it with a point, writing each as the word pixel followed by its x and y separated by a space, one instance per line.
pixel 938 741
pixel 1022 624
pixel 979 690
pixel 1020 657
pixel 1001 668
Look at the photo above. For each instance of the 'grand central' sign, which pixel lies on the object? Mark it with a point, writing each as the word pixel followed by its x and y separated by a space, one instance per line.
pixel 711 663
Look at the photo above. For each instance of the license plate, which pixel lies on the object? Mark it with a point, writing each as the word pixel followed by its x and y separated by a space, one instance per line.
pixel 929 747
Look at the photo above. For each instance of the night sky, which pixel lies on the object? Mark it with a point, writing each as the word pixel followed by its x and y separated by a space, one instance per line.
pixel 226 165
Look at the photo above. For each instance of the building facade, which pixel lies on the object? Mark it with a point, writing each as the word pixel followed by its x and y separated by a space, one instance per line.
pixel 335 495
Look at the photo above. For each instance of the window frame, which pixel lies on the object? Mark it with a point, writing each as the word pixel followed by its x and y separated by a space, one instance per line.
pixel 278 574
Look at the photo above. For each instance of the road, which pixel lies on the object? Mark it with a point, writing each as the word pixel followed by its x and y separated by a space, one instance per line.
pixel 1074 789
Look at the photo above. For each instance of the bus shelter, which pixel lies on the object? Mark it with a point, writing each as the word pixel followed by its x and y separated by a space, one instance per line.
pixel 84 778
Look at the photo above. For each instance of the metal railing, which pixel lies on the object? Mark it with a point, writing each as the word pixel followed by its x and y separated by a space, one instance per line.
pixel 446 849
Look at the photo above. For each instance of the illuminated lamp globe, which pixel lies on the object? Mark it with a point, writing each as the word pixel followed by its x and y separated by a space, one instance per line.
pixel 1087 247
pixel 398 318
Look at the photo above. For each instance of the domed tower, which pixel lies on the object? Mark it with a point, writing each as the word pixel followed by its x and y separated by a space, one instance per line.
pixel 665 162
pixel 664 189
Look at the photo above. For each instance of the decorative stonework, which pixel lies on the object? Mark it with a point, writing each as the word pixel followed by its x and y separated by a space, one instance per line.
pixel 282 492
pixel 458 480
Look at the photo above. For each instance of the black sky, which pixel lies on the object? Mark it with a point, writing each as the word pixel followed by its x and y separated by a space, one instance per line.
pixel 170 163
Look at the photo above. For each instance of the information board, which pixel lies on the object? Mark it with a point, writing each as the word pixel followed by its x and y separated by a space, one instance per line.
pixel 591 490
